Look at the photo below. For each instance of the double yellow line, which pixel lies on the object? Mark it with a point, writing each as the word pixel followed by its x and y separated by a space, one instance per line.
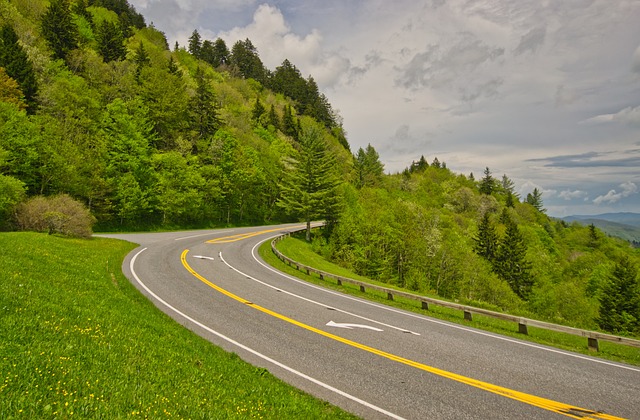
pixel 241 236
pixel 547 404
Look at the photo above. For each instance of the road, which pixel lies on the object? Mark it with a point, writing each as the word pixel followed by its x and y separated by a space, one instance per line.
pixel 372 360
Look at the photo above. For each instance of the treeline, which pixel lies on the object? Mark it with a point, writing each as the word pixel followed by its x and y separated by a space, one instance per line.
pixel 95 105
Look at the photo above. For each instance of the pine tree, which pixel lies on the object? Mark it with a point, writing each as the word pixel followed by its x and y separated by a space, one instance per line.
pixel 58 29
pixel 309 187
pixel 535 199
pixel 220 53
pixel 620 300
pixel 110 42
pixel 486 244
pixel 274 120
pixel 369 169
pixel 487 183
pixel 258 110
pixel 288 124
pixel 141 58
pixel 510 261
pixel 204 110
pixel 16 64
pixel 195 43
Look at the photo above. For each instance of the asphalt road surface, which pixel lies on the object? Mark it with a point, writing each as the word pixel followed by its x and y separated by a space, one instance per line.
pixel 372 360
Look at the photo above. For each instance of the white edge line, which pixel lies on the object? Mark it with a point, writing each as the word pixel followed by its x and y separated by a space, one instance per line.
pixel 313 301
pixel 435 321
pixel 254 352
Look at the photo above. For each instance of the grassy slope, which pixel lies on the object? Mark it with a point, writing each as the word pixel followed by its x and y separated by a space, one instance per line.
pixel 76 338
pixel 300 251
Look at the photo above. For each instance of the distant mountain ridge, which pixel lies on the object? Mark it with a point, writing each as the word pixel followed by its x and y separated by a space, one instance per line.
pixel 622 225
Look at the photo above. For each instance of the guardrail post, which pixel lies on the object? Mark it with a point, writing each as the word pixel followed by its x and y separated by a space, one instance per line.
pixel 592 343
pixel 339 282
pixel 389 296
pixel 321 276
pixel 522 328
pixel 468 316
pixel 362 288
pixel 425 305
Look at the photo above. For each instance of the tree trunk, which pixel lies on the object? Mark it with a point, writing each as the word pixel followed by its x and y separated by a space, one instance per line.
pixel 308 230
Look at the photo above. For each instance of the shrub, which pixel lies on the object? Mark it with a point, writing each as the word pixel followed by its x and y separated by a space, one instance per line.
pixel 60 214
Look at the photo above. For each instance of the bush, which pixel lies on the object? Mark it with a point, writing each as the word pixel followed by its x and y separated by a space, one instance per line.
pixel 60 214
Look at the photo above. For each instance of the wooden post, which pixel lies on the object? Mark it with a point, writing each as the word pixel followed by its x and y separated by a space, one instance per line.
pixel 339 282
pixel 467 316
pixel 592 343
pixel 362 289
pixel 389 296
pixel 522 328
pixel 425 305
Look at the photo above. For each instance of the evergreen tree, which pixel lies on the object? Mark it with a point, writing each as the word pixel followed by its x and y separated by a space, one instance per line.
pixel 141 59
pixel 274 120
pixel 487 183
pixel 110 42
pixel 204 109
pixel 309 188
pixel 289 127
pixel 195 44
pixel 206 51
pixel 435 163
pixel 245 60
pixel 173 67
pixel 258 110
pixel 486 244
pixel 58 29
pixel 16 64
pixel 369 170
pixel 620 300
pixel 510 261
pixel 535 199
pixel 220 53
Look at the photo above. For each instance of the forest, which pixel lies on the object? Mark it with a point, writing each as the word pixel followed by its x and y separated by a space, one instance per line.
pixel 103 125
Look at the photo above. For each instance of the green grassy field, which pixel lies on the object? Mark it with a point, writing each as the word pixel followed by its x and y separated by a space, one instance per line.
pixel 301 251
pixel 78 340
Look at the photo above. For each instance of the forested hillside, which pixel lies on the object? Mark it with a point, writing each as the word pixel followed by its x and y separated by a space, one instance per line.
pixel 95 105
pixel 101 121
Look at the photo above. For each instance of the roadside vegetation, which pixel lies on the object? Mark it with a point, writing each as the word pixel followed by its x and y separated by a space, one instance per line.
pixel 78 340
pixel 303 252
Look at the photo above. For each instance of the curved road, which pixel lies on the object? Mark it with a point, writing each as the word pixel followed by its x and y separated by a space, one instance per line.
pixel 372 360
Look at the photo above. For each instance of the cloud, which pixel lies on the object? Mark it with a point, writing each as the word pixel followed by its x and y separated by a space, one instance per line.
pixel 275 42
pixel 622 159
pixel 572 195
pixel 440 67
pixel 531 41
pixel 628 188
pixel 635 61
pixel 629 115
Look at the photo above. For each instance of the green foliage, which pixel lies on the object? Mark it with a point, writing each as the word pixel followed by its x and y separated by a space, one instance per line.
pixel 110 41
pixel 59 214
pixel 17 65
pixel 368 168
pixel 58 28
pixel 620 300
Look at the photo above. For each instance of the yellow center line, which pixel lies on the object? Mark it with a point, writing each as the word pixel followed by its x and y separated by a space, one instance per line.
pixel 547 404
pixel 241 236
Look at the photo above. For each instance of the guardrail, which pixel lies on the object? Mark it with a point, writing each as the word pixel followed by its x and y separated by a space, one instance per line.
pixel 593 337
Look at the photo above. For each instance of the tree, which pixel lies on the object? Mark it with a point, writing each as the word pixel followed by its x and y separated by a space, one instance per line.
pixel 245 59
pixel 369 170
pixel 58 29
pixel 487 183
pixel 289 127
pixel 257 111
pixel 309 187
pixel 110 41
pixel 17 65
pixel 220 53
pixel 535 199
pixel 141 59
pixel 10 91
pixel 195 43
pixel 203 108
pixel 510 261
pixel 486 243
pixel 620 299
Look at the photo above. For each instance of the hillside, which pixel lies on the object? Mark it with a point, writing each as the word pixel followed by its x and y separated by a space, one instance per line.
pixel 95 105
pixel 613 224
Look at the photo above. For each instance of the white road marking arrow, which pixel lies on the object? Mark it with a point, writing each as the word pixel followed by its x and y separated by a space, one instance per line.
pixel 351 326
pixel 204 258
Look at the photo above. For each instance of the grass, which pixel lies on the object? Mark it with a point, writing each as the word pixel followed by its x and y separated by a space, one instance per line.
pixel 301 251
pixel 78 340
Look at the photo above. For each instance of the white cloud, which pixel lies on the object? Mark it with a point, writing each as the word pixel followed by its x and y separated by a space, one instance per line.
pixel 569 195
pixel 629 115
pixel 628 188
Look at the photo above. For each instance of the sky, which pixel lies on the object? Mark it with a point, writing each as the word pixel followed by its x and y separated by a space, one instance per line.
pixel 546 92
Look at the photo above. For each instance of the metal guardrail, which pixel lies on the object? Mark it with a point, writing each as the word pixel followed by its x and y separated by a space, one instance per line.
pixel 593 337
